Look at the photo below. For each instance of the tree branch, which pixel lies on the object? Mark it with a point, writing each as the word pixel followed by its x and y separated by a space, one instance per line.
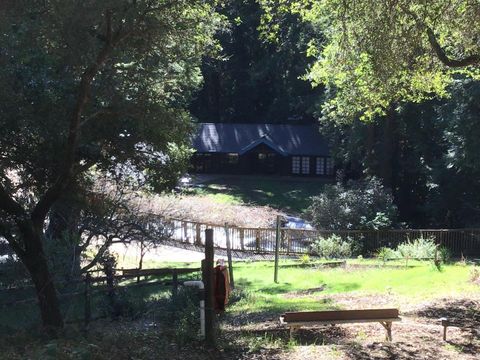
pixel 53 193
pixel 439 51
pixel 442 56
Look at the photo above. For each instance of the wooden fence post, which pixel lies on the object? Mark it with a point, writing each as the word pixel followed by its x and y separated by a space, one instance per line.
pixel 229 256
pixel 88 312
pixel 207 274
pixel 257 241
pixel 277 245
pixel 198 235
pixel 289 241
pixel 242 239
pixel 185 232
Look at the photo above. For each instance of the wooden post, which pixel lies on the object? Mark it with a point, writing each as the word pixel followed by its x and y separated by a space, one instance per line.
pixel 277 245
pixel 229 256
pixel 289 241
pixel 242 239
pixel 257 241
pixel 88 311
pixel 207 272
pixel 174 283
pixel 445 325
pixel 198 235
pixel 185 233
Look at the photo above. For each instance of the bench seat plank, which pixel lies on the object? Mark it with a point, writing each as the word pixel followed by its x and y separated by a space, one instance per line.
pixel 296 320
pixel 327 322
pixel 366 314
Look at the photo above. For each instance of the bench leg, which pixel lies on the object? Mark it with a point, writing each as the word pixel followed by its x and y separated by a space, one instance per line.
pixel 292 331
pixel 388 326
pixel 444 332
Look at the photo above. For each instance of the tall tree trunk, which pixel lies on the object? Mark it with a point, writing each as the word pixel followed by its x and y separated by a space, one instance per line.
pixel 61 236
pixel 37 265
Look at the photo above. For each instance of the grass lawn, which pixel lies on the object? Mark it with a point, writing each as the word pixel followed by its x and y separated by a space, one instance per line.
pixel 286 194
pixel 315 288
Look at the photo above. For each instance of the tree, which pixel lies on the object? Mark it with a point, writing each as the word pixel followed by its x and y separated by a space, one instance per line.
pixel 375 53
pixel 358 205
pixel 257 80
pixel 97 85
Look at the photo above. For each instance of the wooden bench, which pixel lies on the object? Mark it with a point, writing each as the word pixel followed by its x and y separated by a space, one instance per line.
pixel 296 320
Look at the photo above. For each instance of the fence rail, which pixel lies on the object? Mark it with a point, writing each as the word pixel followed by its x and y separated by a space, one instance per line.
pixel 296 241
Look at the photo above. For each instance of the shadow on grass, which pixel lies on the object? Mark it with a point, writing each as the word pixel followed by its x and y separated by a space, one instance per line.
pixel 287 194
pixel 288 288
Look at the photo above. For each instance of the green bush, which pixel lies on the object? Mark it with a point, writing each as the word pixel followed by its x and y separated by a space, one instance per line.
pixel 333 247
pixel 305 259
pixel 365 204
pixel 385 254
pixel 186 315
pixel 445 254
pixel 421 248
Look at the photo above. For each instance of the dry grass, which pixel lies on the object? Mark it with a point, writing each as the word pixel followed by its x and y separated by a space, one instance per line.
pixel 205 209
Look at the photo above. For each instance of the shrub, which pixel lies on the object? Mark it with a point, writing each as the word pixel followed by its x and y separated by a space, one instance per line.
pixel 332 247
pixel 185 309
pixel 445 254
pixel 385 254
pixel 305 259
pixel 421 248
pixel 475 275
pixel 358 205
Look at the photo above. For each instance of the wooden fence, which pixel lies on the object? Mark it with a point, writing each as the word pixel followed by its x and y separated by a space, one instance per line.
pixel 296 241
pixel 85 288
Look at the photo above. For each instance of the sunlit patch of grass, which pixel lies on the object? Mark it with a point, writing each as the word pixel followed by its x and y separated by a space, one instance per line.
pixel 417 283
pixel 225 199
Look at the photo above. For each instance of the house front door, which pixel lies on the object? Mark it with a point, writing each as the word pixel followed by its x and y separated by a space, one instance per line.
pixel 265 163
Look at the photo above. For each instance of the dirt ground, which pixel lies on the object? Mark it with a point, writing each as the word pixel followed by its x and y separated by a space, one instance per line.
pixel 418 336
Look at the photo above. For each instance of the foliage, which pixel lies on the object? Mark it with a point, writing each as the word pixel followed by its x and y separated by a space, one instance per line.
pixel 475 275
pixel 385 253
pixel 372 53
pixel 333 247
pixel 358 205
pixel 256 80
pixel 305 259
pixel 101 90
pixel 185 309
pixel 444 253
pixel 12 273
pixel 421 248
pixel 424 152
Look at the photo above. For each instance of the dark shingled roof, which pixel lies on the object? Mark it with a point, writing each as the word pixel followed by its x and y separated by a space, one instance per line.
pixel 240 138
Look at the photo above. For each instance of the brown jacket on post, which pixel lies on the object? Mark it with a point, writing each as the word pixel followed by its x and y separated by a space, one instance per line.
pixel 221 285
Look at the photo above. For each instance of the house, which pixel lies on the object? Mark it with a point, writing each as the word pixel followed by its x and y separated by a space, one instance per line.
pixel 279 149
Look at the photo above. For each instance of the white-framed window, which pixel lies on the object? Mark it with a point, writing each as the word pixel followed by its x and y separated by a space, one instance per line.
pixel 295 164
pixel 305 165
pixel 320 166
pixel 329 166
pixel 232 158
